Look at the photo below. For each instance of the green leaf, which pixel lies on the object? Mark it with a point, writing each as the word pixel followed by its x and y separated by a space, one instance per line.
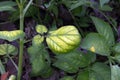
pixel 8 3
pixel 102 71
pixel 67 67
pixel 11 35
pixel 53 26
pixel 77 11
pixel 116 48
pixel 52 7
pixel 7 49
pixel 68 3
pixel 84 21
pixel 72 61
pixel 104 29
pixel 63 40
pixel 98 71
pixel 102 2
pixel 7 6
pixel 39 61
pixel 2 68
pixel 78 3
pixel 117 58
pixel 31 12
pixel 83 75
pixel 37 40
pixel 41 29
pixel 88 74
pixel 77 58
pixel 96 43
pixel 106 8
pixel 115 72
pixel 116 51
pixel 67 78
pixel 95 76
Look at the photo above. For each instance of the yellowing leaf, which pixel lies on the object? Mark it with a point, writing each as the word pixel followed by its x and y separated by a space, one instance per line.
pixel 37 40
pixel 7 49
pixel 64 39
pixel 41 29
pixel 92 49
pixel 11 35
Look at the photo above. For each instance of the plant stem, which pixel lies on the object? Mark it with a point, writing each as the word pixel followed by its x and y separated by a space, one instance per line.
pixel 2 69
pixel 26 8
pixel 21 44
pixel 13 62
pixel 20 60
pixel 110 61
pixel 76 23
pixel 11 59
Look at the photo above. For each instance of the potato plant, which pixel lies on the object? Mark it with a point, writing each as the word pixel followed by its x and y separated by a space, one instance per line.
pixel 63 46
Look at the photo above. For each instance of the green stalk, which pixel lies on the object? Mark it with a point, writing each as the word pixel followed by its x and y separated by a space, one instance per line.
pixel 12 62
pixel 21 44
pixel 20 60
pixel 2 69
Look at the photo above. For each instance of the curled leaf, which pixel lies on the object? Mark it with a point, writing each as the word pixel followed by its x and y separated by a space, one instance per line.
pixel 64 39
pixel 41 29
pixel 7 49
pixel 11 35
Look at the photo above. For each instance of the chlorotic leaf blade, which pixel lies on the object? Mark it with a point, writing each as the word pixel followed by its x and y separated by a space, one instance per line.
pixel 7 49
pixel 11 35
pixel 63 40
pixel 41 29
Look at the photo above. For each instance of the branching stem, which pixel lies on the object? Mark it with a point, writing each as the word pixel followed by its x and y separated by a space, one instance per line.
pixel 21 43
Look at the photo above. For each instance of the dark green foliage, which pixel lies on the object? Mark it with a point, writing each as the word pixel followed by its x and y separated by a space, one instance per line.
pixel 76 38
pixel 39 59
pixel 115 71
pixel 96 43
pixel 71 62
pixel 96 72
pixel 7 6
pixel 83 75
pixel 67 78
pixel 116 48
pixel 105 30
